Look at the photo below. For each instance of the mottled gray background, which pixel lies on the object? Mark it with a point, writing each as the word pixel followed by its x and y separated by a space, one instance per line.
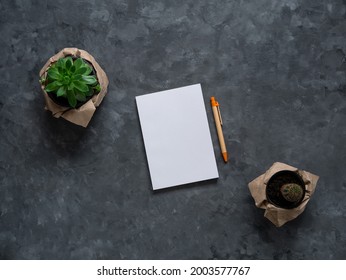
pixel 277 67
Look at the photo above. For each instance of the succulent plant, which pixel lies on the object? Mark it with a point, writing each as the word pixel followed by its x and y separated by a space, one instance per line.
pixel 71 79
pixel 292 192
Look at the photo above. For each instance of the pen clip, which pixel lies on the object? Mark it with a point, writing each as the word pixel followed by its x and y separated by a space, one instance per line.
pixel 218 110
pixel 214 103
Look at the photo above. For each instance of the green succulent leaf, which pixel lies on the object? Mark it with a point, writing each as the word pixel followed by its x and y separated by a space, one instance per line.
pixel 78 63
pixel 61 91
pixel 53 86
pixel 88 71
pixel 77 77
pixel 53 73
pixel 80 97
pixel 69 62
pixel 71 98
pixel 90 80
pixel 80 86
pixel 70 87
pixel 97 88
pixel 81 70
pixel 60 64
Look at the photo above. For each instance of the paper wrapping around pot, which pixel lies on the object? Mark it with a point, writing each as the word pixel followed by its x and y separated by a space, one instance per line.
pixel 280 216
pixel 83 114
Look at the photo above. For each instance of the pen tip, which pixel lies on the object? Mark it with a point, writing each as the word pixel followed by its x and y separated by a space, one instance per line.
pixel 225 156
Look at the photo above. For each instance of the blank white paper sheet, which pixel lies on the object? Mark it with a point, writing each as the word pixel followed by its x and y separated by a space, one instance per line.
pixel 176 137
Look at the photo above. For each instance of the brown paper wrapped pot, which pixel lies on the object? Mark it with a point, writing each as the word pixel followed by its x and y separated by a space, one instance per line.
pixel 279 216
pixel 84 113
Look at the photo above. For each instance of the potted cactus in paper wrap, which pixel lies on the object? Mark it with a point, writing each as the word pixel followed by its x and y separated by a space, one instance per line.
pixel 283 191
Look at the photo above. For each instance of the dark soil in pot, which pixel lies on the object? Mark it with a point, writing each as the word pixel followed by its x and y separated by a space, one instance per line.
pixel 62 101
pixel 285 189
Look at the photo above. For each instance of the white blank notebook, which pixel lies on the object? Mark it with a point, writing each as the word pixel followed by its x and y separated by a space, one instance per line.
pixel 176 137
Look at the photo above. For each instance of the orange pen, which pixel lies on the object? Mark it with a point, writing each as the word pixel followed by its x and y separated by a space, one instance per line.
pixel 218 123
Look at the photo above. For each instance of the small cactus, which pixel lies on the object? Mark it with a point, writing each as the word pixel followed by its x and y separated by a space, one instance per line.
pixel 291 192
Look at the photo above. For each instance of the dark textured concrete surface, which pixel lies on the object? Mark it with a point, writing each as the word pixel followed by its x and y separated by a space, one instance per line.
pixel 278 69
